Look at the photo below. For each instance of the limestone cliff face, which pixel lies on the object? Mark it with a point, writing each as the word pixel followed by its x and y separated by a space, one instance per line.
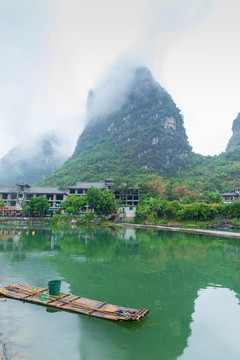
pixel 235 139
pixel 145 135
pixel 148 129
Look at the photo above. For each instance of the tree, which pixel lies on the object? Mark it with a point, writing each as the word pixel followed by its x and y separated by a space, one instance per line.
pixel 213 197
pixel 74 203
pixel 181 191
pixel 102 201
pixel 196 195
pixel 233 210
pixel 2 204
pixel 155 188
pixel 149 209
pixel 186 196
pixel 38 204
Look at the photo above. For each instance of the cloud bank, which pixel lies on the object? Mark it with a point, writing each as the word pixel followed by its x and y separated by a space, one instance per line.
pixel 55 51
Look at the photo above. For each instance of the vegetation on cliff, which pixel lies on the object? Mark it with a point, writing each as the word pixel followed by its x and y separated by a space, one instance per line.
pixel 146 135
pixel 145 141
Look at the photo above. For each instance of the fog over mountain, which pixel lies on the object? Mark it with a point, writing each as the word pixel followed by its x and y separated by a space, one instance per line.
pixel 32 161
pixel 54 52
pixel 143 133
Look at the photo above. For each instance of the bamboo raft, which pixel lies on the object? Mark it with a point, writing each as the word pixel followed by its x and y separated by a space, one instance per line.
pixel 69 302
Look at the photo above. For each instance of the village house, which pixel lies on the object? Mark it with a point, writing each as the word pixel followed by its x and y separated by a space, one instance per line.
pixel 20 193
pixel 15 196
pixel 80 188
pixel 129 211
pixel 231 196
pixel 131 197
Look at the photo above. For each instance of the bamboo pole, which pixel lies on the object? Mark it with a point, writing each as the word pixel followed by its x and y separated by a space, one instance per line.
pixel 71 303
pixel 85 307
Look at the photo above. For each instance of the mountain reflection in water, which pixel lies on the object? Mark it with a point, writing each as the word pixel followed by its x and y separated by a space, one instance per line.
pixel 171 274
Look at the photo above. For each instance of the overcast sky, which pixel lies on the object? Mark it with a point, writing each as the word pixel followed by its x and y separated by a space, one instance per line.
pixel 54 51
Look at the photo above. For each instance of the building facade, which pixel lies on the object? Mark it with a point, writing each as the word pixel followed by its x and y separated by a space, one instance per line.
pixel 231 196
pixel 23 192
pixel 130 197
pixel 80 188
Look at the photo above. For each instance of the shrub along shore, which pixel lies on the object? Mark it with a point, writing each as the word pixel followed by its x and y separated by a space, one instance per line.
pixel 158 211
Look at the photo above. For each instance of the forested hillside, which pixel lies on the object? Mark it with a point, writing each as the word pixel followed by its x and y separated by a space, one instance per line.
pixel 146 135
pixel 212 173
pixel 144 140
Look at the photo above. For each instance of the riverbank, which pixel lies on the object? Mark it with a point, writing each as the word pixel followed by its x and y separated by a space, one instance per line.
pixel 178 228
pixel 25 221
pixel 228 234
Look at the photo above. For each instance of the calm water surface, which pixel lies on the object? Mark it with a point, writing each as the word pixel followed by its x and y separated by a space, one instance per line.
pixel 190 283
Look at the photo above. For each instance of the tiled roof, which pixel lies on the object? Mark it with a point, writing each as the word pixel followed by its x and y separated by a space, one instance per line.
pixel 23 184
pixel 44 190
pixel 87 185
pixel 9 189
pixel 32 190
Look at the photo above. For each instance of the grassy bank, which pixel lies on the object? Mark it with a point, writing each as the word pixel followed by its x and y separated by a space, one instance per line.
pixel 91 219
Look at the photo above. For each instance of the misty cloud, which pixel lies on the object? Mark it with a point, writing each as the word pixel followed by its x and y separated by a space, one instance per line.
pixel 54 51
pixel 31 161
pixel 111 93
pixel 162 18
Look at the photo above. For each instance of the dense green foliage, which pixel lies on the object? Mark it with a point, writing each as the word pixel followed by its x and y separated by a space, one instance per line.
pixel 146 139
pixel 73 204
pixel 102 201
pixel 37 204
pixel 145 136
pixel 152 209
pixel 220 172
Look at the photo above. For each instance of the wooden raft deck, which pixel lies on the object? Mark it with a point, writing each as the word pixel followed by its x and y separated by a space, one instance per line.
pixel 69 302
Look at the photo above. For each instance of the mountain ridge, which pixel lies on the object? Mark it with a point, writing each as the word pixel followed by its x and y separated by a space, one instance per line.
pixel 235 138
pixel 32 161
pixel 143 139
pixel 145 135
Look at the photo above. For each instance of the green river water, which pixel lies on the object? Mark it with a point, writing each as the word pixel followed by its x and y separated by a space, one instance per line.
pixel 190 283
